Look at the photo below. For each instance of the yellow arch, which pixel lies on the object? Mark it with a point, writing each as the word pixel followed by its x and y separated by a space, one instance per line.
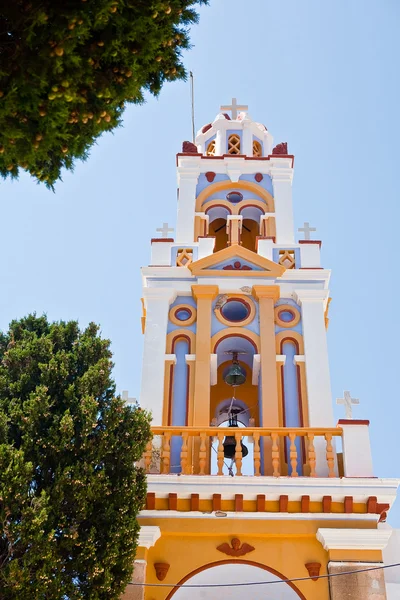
pixel 181 333
pixel 238 332
pixel 290 335
pixel 239 185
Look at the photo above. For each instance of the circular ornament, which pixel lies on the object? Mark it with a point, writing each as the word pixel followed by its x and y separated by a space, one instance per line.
pixel 183 315
pixel 286 315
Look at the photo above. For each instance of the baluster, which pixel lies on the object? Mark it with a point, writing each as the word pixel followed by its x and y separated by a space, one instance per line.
pixel 311 454
pixel 184 454
pixel 202 453
pixel 147 456
pixel 275 455
pixel 238 453
pixel 293 454
pixel 220 458
pixel 257 455
pixel 166 453
pixel 330 457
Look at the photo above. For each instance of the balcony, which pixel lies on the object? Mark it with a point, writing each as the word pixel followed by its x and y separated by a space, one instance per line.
pixel 293 452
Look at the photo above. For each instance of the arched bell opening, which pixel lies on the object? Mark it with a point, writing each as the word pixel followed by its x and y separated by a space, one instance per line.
pixel 234 405
pixel 218 216
pixel 250 226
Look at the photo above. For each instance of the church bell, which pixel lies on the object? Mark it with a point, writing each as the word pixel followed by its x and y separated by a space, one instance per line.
pixel 230 441
pixel 235 374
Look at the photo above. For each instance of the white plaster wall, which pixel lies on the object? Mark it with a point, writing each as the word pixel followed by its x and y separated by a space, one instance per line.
pixel 236 573
pixel 391 555
pixel 357 458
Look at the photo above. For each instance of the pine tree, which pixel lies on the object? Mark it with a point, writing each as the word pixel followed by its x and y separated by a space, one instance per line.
pixel 68 68
pixel 69 487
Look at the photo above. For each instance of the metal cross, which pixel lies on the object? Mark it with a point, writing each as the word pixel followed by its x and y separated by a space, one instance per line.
pixel 164 230
pixel 126 399
pixel 348 401
pixel 307 230
pixel 234 107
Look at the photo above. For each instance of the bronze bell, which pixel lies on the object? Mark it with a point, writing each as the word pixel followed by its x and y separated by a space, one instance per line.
pixel 235 374
pixel 229 442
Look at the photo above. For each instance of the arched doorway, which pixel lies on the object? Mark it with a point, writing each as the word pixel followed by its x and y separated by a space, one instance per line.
pixel 238 571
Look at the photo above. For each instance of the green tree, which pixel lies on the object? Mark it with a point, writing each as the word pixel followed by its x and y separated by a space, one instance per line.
pixel 69 488
pixel 68 67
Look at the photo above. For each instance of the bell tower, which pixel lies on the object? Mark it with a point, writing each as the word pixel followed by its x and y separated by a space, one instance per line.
pixel 249 476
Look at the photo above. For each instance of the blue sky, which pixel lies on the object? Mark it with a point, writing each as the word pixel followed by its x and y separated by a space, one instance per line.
pixel 322 76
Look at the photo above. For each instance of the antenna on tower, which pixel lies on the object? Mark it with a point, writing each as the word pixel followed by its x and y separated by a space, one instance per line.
pixel 192 102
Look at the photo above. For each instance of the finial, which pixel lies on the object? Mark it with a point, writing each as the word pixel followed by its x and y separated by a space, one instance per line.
pixel 348 401
pixel 307 230
pixel 164 230
pixel 234 107
pixel 125 397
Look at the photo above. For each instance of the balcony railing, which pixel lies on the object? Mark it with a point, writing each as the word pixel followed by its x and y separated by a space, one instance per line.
pixel 274 451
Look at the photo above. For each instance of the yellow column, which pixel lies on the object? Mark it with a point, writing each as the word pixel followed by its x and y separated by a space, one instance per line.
pixel 204 295
pixel 267 295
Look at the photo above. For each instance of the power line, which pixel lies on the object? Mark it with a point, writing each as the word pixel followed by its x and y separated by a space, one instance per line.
pixel 249 583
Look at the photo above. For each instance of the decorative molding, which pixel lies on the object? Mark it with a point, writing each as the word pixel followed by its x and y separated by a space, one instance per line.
pixel 161 570
pixel 313 569
pixel 148 536
pixel 354 539
pixel 236 548
pixel 203 266
pixel 301 296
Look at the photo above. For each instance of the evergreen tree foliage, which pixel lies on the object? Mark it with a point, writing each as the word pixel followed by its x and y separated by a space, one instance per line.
pixel 69 487
pixel 68 67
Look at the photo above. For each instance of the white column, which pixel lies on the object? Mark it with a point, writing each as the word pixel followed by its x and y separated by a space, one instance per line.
pixel 282 183
pixel 247 139
pixel 187 182
pixel 357 457
pixel 220 142
pixel 157 303
pixel 319 393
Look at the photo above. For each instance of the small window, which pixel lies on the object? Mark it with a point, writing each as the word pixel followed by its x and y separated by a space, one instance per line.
pixel 183 314
pixel 235 310
pixel 234 144
pixel 257 149
pixel 234 197
pixel 211 148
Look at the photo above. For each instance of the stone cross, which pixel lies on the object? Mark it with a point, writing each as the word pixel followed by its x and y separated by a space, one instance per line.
pixel 125 397
pixel 348 401
pixel 307 230
pixel 164 230
pixel 234 107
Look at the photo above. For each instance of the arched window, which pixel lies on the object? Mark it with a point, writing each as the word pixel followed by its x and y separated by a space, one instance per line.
pixel 257 149
pixel 211 148
pixel 234 144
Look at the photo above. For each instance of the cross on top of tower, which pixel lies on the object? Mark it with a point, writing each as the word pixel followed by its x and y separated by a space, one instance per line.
pixel 164 230
pixel 348 401
pixel 306 229
pixel 234 107
pixel 125 397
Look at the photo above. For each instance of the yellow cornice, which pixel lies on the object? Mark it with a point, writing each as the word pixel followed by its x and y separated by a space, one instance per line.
pixel 266 291
pixel 270 269
pixel 204 291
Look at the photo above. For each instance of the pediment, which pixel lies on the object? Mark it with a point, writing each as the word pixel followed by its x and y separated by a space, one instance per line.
pixel 236 261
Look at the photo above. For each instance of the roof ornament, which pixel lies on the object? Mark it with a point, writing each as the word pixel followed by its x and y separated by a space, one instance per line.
pixel 234 107
pixel 306 229
pixel 164 230
pixel 348 402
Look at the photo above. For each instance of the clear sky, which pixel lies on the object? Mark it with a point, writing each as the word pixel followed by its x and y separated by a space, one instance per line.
pixel 321 75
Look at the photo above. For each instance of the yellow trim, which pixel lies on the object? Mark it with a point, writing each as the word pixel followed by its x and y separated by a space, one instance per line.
pixel 356 555
pixel 290 308
pixel 235 331
pixel 289 334
pixel 234 209
pixel 239 185
pixel 178 333
pixel 143 317
pixel 245 321
pixel 167 399
pixel 271 269
pixel 327 313
pixel 204 295
pixel 179 322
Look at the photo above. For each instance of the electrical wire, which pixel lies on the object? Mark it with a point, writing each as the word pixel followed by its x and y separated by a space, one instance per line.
pixel 250 583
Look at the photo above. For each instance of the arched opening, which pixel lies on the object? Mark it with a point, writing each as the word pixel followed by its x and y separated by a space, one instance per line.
pixel 257 148
pixel 234 144
pixel 240 402
pixel 179 404
pixel 251 226
pixel 211 148
pixel 217 226
pixel 234 572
